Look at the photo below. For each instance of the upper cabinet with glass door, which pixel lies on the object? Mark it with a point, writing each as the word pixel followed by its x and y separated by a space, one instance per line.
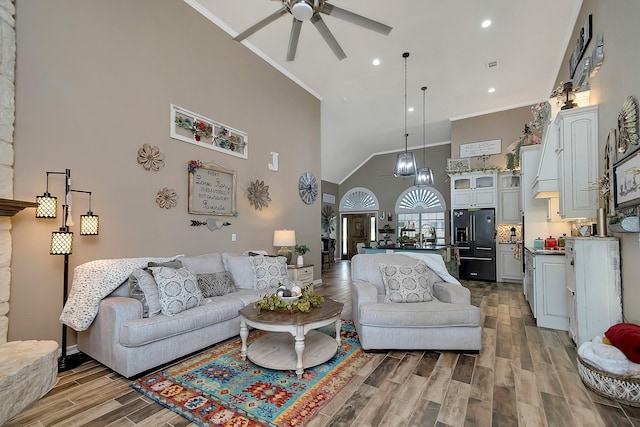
pixel 474 190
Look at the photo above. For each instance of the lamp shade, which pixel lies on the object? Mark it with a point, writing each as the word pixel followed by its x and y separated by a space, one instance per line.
pixel 284 238
pixel 61 242
pixel 89 224
pixel 424 176
pixel 47 206
pixel 405 165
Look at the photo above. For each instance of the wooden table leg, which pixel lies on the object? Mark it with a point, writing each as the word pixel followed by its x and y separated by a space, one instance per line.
pixel 299 350
pixel 244 334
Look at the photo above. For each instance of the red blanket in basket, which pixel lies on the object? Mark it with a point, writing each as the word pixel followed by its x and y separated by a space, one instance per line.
pixel 626 337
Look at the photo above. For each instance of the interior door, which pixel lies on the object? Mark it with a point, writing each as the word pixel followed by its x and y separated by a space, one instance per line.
pixel 357 232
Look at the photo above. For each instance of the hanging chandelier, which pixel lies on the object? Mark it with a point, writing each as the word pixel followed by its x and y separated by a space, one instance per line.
pixel 405 162
pixel 424 175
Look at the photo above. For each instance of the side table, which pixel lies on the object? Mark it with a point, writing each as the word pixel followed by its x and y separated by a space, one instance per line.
pixel 301 273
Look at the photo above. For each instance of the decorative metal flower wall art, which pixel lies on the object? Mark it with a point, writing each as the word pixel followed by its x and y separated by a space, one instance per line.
pixel 150 157
pixel 167 198
pixel 258 194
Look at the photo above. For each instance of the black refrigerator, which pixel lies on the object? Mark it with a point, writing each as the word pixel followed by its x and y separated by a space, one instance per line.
pixel 474 235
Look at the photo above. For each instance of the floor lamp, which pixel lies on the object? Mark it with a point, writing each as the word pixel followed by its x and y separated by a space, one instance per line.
pixel 62 244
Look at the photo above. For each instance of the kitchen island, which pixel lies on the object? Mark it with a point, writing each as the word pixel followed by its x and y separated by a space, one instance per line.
pixel 446 251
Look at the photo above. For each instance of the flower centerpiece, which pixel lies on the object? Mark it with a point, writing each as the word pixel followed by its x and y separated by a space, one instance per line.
pixel 304 303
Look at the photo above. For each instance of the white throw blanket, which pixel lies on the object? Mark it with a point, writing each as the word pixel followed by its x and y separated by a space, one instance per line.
pixel 607 358
pixel 93 281
pixel 435 263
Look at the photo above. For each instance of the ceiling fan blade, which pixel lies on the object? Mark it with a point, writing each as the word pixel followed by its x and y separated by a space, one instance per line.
pixel 356 19
pixel 322 28
pixel 255 27
pixel 293 39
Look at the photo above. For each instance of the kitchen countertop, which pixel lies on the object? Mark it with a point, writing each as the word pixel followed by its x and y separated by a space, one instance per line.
pixel 545 251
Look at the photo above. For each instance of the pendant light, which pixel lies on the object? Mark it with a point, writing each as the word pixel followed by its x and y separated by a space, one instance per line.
pixel 405 162
pixel 424 175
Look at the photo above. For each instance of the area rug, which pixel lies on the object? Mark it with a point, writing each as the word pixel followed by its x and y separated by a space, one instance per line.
pixel 218 388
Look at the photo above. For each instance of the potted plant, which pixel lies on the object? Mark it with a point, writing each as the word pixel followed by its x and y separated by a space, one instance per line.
pixel 301 250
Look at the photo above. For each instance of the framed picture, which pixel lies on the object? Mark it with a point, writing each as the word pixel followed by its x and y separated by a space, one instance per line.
pixel 584 37
pixel 195 129
pixel 626 181
pixel 212 190
pixel 474 149
pixel 458 165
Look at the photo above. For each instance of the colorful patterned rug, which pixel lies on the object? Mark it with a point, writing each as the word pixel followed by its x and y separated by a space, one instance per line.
pixel 218 388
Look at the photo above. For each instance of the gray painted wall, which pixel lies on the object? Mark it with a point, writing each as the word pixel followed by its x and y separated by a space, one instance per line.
pixel 94 83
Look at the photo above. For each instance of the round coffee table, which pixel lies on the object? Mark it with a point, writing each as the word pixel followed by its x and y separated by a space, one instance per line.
pixel 291 334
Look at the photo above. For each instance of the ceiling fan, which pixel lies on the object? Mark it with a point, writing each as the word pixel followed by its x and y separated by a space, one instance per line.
pixel 303 10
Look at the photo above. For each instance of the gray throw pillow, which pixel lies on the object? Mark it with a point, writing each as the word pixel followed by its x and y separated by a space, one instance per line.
pixel 177 288
pixel 406 283
pixel 216 284
pixel 269 272
pixel 171 264
pixel 143 287
pixel 240 268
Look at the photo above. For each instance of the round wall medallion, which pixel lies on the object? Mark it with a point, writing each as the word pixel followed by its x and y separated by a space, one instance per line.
pixel 308 188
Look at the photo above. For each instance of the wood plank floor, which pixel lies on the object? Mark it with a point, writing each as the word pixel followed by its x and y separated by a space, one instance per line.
pixel 524 376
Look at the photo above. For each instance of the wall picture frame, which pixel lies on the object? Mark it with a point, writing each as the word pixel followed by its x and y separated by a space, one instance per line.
pixel 195 129
pixel 458 165
pixel 626 181
pixel 212 190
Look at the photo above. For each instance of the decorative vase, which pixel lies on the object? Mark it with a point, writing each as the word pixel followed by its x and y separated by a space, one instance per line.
pixel 300 260
pixel 601 223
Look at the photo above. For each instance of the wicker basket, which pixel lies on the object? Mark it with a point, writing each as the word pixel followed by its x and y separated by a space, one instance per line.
pixel 621 388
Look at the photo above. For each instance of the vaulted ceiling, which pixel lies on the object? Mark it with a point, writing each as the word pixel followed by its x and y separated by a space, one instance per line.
pixel 363 104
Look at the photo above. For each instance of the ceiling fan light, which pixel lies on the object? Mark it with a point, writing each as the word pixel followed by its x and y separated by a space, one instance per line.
pixel 302 10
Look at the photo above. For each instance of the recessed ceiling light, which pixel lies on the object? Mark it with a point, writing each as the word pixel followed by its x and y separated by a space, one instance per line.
pixel 492 89
pixel 376 62
pixel 410 109
pixel 486 23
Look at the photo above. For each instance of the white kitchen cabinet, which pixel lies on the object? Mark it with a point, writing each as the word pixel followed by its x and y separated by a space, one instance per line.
pixel 550 291
pixel 509 211
pixel 578 162
pixel 594 300
pixel 527 280
pixel 509 268
pixel 474 190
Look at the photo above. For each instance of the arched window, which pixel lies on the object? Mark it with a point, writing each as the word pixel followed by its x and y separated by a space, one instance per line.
pixel 359 199
pixel 420 213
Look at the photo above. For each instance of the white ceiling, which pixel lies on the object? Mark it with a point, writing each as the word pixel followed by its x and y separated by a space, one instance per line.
pixel 363 105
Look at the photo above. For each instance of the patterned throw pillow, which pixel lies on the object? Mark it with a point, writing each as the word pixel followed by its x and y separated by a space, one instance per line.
pixel 178 289
pixel 269 272
pixel 406 283
pixel 143 287
pixel 216 284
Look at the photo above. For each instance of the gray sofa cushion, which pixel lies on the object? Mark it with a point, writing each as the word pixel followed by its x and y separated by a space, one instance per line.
pixel 240 268
pixel 418 315
pixel 203 264
pixel 139 332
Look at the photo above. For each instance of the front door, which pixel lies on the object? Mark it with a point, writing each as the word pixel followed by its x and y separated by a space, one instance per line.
pixel 357 232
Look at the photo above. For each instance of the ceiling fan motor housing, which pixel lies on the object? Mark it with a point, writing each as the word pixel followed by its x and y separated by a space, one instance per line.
pixel 302 10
